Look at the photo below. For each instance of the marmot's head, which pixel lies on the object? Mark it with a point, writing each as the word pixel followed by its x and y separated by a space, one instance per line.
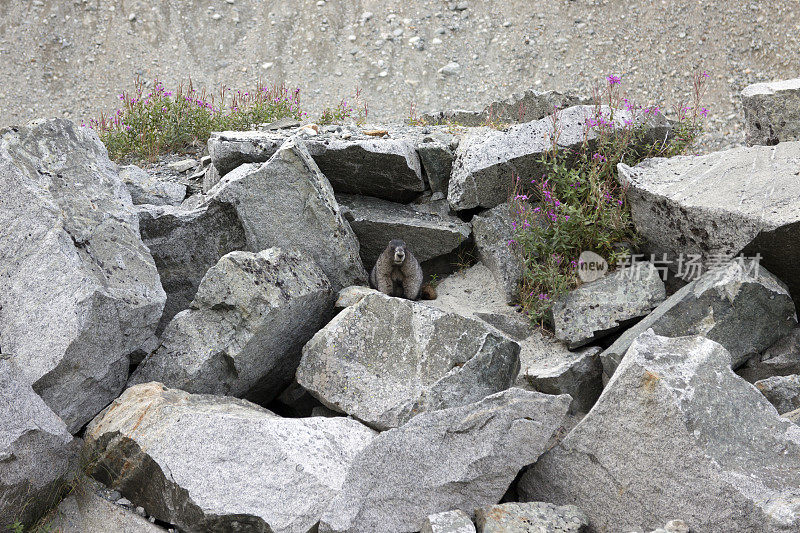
pixel 398 251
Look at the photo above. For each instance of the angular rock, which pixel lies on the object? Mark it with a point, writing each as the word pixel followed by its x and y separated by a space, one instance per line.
pixel 376 222
pixel 436 155
pixel 608 304
pixel 243 333
pixel 772 111
pixel 183 165
pixel 352 295
pixel 185 243
pixel 457 458
pixel 210 178
pixel 531 105
pixel 85 511
pixel 287 202
pixel 742 307
pixel 675 428
pixel 229 149
pixel 145 189
pixel 780 359
pixel 719 205
pixel 782 391
pixel 487 160
pixel 211 463
pixel 459 117
pixel 792 416
pixel 448 522
pixel 384 360
pixel 493 231
pixel 37 453
pixel 78 289
pixel 532 517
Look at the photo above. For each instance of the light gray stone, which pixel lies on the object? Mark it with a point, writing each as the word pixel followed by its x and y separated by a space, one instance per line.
pixel 376 222
pixel 782 391
pixel 212 463
pixel 37 453
pixel 185 243
pixel 675 428
pixel 792 416
pixel 780 359
pixel 458 458
pixel 78 289
pixel 719 205
pixel 460 117
pixel 448 522
pixel 493 231
pixel 146 189
pixel 229 149
pixel 437 156
pixel 243 333
pixel 183 165
pixel 352 295
pixel 531 105
pixel 210 178
pixel 487 160
pixel 772 111
pixel 531 517
pixel 608 304
pixel 287 202
pixel 384 360
pixel 744 308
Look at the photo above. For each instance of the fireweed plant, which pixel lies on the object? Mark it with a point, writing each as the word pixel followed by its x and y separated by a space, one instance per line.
pixel 355 110
pixel 577 204
pixel 158 121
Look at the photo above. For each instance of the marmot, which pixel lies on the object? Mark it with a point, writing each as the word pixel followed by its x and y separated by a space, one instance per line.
pixel 397 273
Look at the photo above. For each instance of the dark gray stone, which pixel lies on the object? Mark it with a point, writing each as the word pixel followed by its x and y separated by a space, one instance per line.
pixel 772 111
pixel 782 391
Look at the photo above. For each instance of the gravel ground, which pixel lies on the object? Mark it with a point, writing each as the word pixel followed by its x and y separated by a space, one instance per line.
pixel 72 57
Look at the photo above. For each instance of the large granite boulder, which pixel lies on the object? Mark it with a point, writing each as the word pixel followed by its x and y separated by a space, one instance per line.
pixel 146 189
pixel 705 209
pixel 287 202
pixel 37 453
pixel 531 517
pixel 675 430
pixel 608 304
pixel 487 160
pixel 782 391
pixel 243 333
pixel 376 222
pixel 493 232
pixel 212 463
pixel 739 305
pixel 772 111
pixel 457 458
pixel 384 360
pixel 78 289
pixel 185 243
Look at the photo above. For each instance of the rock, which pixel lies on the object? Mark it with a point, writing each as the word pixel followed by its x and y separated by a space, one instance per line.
pixel 376 222
pixel 84 511
pixel 229 149
pixel 772 111
pixel 38 455
pixel 146 189
pixel 437 158
pixel 243 333
pixel 792 416
pixel 210 178
pixel 185 243
pixel 531 105
pixel 287 202
pixel 782 391
pixel 78 289
pixel 675 428
pixel 384 360
pixel 546 365
pixel 448 522
pixel 450 69
pixel 608 304
pixel 350 296
pixel 493 232
pixel 457 458
pixel 212 463
pixel 487 160
pixel 533 517
pixel 183 165
pixel 460 117
pixel 744 308
pixel 746 202
pixel 780 359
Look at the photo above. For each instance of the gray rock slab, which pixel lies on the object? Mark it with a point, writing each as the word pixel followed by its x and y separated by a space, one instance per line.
pixel 229 149
pixel 772 111
pixel 743 308
pixel 448 522
pixel 79 291
pixel 531 517
pixel 376 222
pixel 608 304
pixel 385 359
pixel 213 463
pixel 782 391
pixel 493 231
pixel 146 189
pixel 352 295
pixel 458 458
pixel 245 328
pixel 287 202
pixel 185 243
pixel 713 207
pixel 780 359
pixel 676 429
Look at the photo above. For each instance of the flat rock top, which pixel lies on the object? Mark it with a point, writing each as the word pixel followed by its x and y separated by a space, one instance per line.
pixel 771 87
pixel 377 134
pixel 759 182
